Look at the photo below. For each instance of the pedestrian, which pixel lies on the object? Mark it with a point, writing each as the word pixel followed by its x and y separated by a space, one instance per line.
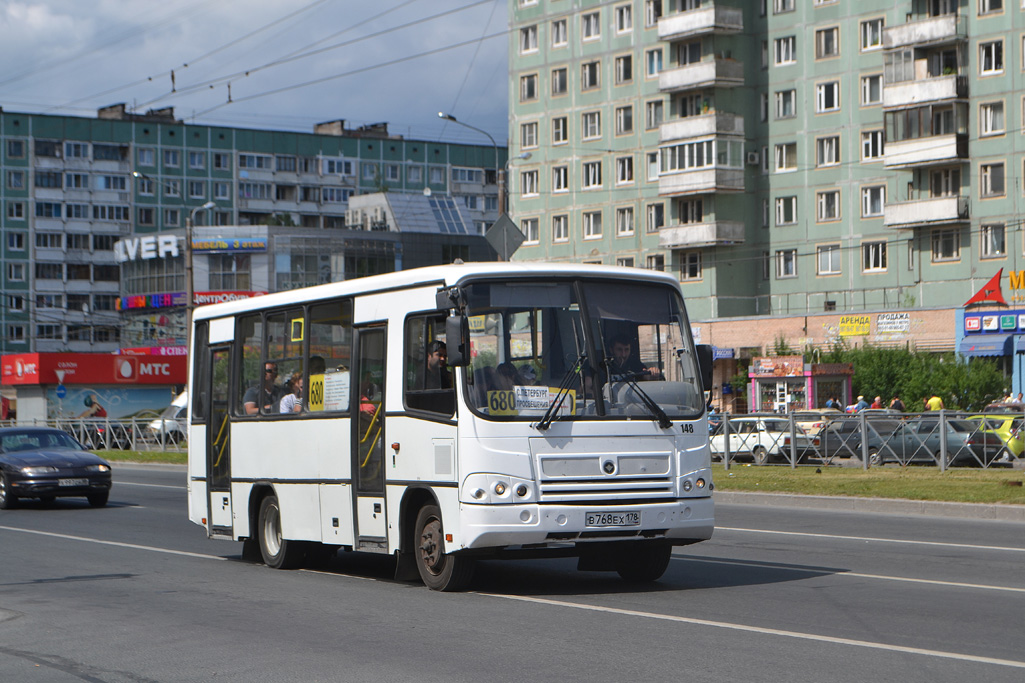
pixel 830 403
pixel 877 404
pixel 897 404
pixel 934 403
pixel 861 404
pixel 1017 399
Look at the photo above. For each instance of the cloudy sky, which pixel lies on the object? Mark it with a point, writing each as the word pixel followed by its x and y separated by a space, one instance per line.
pixel 287 63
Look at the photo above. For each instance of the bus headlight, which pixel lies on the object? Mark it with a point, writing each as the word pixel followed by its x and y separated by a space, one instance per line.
pixel 496 489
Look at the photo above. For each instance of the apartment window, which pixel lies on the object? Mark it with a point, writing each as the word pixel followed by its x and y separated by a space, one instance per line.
pixel 529 227
pixel 652 12
pixel 16 272
pixel 49 240
pixel 15 149
pixel 945 245
pixel 828 259
pixel 592 224
pixel 560 179
pixel 16 241
pixel 688 53
pixel 145 186
pixel 827 151
pixel 873 256
pixel 785 50
pixel 786 157
pixel 990 6
pixel 76 211
pixel 559 34
pixel 690 211
pixel 625 221
pixel 780 6
pixel 991 118
pixel 786 263
pixel 197 189
pixel 592 175
pixel 76 181
pixel 590 26
pixel 197 159
pixel 625 261
pixel 624 18
pixel 992 180
pixel 873 199
pixel 222 190
pixel 624 65
pixel 528 39
pixel 560 130
pixel 827 205
pixel 690 266
pixel 763 107
pixel 827 43
pixel 654 217
pixel 528 183
pixel 656 262
pixel 653 62
pixel 254 161
pixel 592 125
pixel 171 217
pixel 871 89
pixel 172 158
pixel 528 135
pixel 16 211
pixel 624 120
pixel 222 161
pixel 51 271
pixel 786 104
pixel 16 180
pixel 993 245
pixel 652 166
pixel 827 96
pixel 872 34
pixel 652 114
pixel 48 210
pixel 872 145
pixel 528 87
pixel 624 170
pixel 590 75
pixel 991 57
pixel 560 228
pixel 76 150
pixel 560 82
pixel 146 216
pixel 786 211
pixel 49 332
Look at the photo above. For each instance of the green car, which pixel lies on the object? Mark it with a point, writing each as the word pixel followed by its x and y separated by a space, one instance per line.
pixel 1007 427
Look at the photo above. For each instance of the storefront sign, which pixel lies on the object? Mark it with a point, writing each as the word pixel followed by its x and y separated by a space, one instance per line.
pixel 893 323
pixel 855 325
pixel 819 369
pixel 222 245
pixel 146 248
pixel 780 366
pixel 91 368
pixel 175 299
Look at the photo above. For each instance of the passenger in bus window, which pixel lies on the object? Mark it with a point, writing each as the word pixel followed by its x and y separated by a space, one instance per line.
pixel 292 402
pixel 506 377
pixel 438 374
pixel 266 395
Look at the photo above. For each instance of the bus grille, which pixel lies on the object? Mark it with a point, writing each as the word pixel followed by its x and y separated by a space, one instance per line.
pixel 589 479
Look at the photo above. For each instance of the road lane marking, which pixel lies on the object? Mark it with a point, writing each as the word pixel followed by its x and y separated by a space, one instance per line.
pixel 827 572
pixel 114 543
pixel 765 631
pixel 966 546
pixel 152 486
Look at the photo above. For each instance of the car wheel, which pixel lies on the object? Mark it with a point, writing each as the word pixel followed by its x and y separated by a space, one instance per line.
pixel 760 455
pixel 645 562
pixel 8 500
pixel 438 570
pixel 874 458
pixel 98 500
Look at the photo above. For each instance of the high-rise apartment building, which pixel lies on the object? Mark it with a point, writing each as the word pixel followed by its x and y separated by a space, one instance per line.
pixel 783 158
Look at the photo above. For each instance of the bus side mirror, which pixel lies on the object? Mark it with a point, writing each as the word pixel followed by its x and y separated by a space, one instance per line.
pixel 704 354
pixel 457 339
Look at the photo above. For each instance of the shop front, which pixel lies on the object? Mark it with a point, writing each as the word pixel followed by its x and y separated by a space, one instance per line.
pixel 783 384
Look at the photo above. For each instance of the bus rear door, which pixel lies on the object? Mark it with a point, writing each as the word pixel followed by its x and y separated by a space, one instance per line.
pixel 368 440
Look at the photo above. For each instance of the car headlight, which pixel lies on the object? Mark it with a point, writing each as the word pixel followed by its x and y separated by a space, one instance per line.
pixel 97 468
pixel 36 471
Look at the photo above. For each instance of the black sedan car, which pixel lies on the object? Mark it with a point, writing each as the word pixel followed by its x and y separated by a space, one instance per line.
pixel 43 463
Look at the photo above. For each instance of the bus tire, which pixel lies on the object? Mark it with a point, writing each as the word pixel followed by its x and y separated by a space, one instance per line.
pixel 438 570
pixel 644 562
pixel 277 552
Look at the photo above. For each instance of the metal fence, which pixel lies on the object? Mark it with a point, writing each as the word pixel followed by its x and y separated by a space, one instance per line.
pixel 941 439
pixel 106 434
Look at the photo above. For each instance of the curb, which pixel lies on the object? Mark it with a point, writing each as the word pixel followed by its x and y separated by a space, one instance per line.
pixel 887 506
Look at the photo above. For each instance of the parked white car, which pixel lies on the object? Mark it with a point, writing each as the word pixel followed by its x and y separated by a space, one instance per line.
pixel 763 439
pixel 171 426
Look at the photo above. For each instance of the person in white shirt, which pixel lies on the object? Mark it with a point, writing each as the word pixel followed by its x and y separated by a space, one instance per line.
pixel 292 402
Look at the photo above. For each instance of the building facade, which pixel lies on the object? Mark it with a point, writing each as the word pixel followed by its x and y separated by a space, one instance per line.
pixel 72 187
pixel 783 158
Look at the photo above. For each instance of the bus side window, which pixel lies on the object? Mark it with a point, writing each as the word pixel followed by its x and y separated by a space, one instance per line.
pixel 250 375
pixel 330 332
pixel 200 373
pixel 428 385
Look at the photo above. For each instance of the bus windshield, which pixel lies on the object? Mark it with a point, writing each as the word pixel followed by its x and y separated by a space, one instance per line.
pixel 616 349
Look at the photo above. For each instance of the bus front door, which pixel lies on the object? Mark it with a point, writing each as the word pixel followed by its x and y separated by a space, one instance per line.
pixel 218 446
pixel 368 440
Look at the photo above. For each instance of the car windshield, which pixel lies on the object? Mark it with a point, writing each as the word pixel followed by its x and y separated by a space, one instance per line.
pixel 615 348
pixel 31 440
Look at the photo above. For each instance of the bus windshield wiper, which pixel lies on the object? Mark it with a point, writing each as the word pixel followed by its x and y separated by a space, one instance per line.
pixel 553 408
pixel 647 401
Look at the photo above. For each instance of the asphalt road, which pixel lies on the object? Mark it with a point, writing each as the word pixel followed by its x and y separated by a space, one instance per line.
pixel 134 592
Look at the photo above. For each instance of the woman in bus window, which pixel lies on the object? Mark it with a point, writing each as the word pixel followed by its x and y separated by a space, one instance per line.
pixel 292 402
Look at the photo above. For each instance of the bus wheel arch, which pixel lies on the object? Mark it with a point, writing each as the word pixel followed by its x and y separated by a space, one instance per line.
pixel 409 507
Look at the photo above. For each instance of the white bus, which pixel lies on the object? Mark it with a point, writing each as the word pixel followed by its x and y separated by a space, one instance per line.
pixel 569 420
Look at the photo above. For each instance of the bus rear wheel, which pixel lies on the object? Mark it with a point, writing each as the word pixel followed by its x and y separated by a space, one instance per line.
pixel 644 562
pixel 439 571
pixel 277 552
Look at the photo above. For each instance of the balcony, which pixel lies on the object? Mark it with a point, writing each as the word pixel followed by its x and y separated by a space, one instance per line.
pixel 700 22
pixel 926 212
pixel 716 123
pixel 932 31
pixel 927 151
pixel 701 181
pixel 710 73
pixel 925 91
pixel 691 235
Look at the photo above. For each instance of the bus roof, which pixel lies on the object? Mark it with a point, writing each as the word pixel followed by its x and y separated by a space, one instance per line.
pixel 418 277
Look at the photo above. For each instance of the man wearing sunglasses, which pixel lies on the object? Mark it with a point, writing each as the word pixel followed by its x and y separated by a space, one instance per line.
pixel 269 391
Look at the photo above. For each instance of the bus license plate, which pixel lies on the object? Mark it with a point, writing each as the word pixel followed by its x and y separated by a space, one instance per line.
pixel 72 482
pixel 612 519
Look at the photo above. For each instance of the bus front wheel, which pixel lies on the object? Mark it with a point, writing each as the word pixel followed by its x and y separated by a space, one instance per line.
pixel 644 562
pixel 439 571
pixel 277 552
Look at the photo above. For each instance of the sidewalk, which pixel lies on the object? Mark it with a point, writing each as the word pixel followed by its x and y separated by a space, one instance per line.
pixel 892 506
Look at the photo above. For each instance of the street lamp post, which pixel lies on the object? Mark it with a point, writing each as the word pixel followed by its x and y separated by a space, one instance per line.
pixel 499 179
